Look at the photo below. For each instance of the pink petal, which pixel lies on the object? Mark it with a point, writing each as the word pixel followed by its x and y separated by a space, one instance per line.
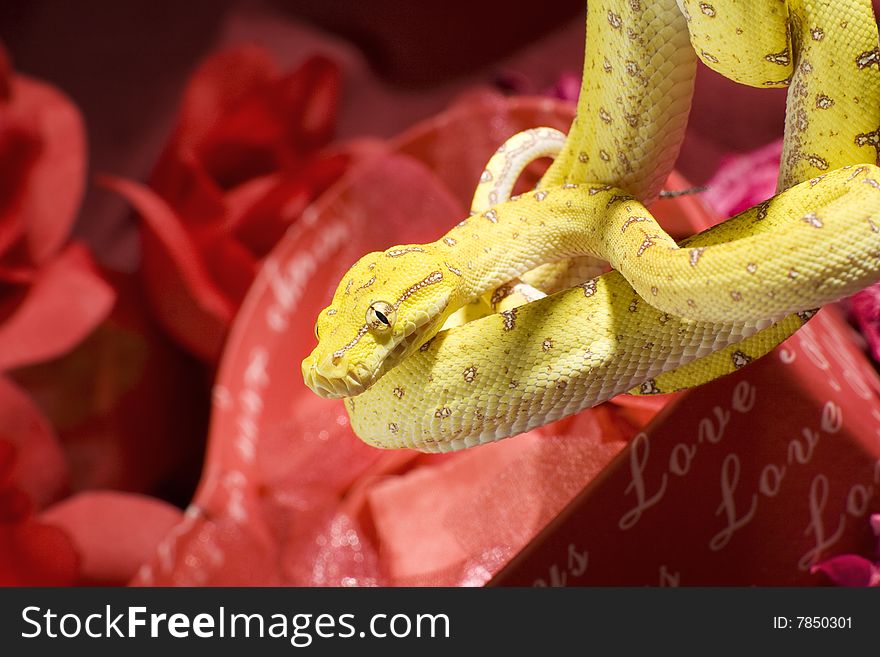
pixel 36 554
pixel 129 408
pixel 19 150
pixel 848 570
pixel 743 181
pixel 188 303
pixel 114 533
pixel 65 303
pixel 220 83
pixel 56 183
pixel 5 75
pixel 182 182
pixel 36 464
pixel 15 505
pixel 231 265
pixel 866 309
pixel 263 224
pixel 275 126
pixel 308 99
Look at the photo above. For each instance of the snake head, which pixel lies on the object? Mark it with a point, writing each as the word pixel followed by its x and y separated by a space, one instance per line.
pixel 386 306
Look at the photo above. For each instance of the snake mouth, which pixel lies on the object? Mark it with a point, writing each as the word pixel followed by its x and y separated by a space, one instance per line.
pixel 336 385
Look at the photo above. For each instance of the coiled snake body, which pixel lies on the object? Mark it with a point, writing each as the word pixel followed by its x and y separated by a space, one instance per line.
pixel 668 316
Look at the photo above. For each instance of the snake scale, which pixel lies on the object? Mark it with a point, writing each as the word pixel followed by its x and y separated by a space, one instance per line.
pixel 668 315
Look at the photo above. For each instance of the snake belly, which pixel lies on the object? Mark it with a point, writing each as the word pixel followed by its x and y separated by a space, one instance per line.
pixel 509 372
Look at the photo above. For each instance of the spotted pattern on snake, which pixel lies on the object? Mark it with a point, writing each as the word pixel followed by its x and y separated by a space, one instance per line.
pixel 695 317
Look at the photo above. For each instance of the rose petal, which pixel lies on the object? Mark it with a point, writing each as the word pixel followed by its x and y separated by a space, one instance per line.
pixel 19 151
pixel 847 570
pixel 239 119
pixel 231 265
pixel 5 75
pixel 65 303
pixel 241 199
pixel 56 183
pixel 264 223
pixel 309 98
pixel 7 459
pixel 36 554
pixel 114 533
pixel 38 467
pixel 260 210
pixel 276 126
pixel 866 308
pixel 128 406
pixel 219 84
pixel 185 185
pixel 187 302
pixel 743 181
pixel 15 505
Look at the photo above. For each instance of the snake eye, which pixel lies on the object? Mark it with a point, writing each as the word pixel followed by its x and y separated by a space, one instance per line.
pixel 317 335
pixel 381 316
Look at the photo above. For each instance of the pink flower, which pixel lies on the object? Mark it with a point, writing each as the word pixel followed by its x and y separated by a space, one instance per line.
pixel 51 295
pixel 45 540
pixel 743 181
pixel 852 569
pixel 66 367
pixel 33 473
pixel 866 311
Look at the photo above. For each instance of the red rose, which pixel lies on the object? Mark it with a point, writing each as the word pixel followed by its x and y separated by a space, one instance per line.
pixel 242 164
pixel 50 294
pixel 96 537
pixel 54 329
pixel 33 473
pixel 51 297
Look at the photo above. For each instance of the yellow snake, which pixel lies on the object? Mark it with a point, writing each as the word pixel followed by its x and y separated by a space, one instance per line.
pixel 668 316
